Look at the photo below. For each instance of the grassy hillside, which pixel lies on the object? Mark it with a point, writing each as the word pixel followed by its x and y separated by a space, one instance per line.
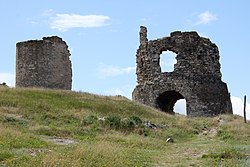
pixel 63 128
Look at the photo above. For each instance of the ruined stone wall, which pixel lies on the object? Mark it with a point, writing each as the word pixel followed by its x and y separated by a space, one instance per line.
pixel 43 63
pixel 196 76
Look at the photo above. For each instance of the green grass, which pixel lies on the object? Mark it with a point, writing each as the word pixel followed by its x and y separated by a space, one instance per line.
pixel 110 131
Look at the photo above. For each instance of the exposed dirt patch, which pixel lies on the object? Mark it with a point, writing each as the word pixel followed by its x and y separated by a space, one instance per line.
pixel 212 132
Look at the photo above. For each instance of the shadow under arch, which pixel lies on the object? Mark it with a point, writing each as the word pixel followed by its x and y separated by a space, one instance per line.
pixel 166 101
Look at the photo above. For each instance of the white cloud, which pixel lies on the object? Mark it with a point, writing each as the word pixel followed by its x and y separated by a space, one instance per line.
pixel 34 22
pixel 48 12
pixel 205 18
pixel 64 22
pixel 105 71
pixel 238 105
pixel 8 78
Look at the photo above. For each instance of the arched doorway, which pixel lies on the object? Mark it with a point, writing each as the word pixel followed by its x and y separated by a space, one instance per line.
pixel 166 101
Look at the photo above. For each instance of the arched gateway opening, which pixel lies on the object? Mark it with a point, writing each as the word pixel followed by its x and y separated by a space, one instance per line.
pixel 166 101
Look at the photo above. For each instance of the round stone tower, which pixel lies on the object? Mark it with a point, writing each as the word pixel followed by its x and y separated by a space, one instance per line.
pixel 43 63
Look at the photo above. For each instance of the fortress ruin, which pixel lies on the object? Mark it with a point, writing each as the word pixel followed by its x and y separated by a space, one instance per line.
pixel 43 63
pixel 196 76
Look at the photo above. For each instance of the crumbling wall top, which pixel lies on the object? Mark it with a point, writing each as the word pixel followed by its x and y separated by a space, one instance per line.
pixel 54 39
pixel 196 56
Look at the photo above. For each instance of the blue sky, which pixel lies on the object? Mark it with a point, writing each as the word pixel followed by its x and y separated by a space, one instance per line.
pixel 103 37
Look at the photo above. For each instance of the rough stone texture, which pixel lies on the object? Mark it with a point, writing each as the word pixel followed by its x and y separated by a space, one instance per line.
pixel 43 63
pixel 196 76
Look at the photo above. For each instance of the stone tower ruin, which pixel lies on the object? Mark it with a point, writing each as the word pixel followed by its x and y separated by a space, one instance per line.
pixel 43 63
pixel 196 76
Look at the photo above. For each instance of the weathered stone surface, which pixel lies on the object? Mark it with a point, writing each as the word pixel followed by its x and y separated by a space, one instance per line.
pixel 196 76
pixel 43 63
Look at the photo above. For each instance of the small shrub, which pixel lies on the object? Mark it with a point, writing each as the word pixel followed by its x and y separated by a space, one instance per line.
pixel 114 121
pixel 144 131
pixel 129 124
pixel 136 119
pixel 91 119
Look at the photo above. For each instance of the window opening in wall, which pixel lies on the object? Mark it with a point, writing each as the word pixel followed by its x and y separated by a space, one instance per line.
pixel 167 61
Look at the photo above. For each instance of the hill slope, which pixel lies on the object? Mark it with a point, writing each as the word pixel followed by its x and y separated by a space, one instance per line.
pixel 64 128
